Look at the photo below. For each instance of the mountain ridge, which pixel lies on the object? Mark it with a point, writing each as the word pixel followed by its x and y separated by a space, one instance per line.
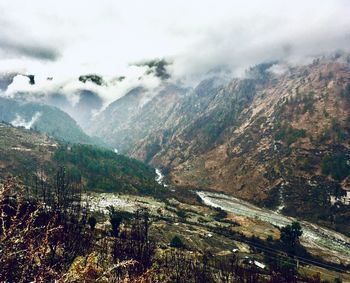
pixel 258 137
pixel 44 118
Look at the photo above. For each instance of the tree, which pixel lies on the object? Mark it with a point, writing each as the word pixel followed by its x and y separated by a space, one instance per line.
pixel 290 235
pixel 336 166
pixel 287 268
pixel 115 219
pixel 221 214
pixel 176 242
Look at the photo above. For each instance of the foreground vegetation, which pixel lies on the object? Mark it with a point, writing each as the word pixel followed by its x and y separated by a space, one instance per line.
pixel 104 170
pixel 27 153
pixel 48 232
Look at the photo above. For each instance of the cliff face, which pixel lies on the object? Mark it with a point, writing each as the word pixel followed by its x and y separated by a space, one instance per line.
pixel 278 140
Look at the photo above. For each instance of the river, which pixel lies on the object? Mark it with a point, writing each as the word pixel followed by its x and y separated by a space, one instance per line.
pixel 335 245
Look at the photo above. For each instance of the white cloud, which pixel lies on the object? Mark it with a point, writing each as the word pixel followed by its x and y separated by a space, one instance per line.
pixel 103 37
pixel 21 122
pixel 111 90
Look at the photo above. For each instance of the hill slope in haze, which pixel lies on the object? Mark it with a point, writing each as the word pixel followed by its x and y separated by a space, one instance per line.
pixel 136 115
pixel 44 118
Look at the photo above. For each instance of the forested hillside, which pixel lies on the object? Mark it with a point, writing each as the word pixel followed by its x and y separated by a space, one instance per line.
pixel 44 118
pixel 27 154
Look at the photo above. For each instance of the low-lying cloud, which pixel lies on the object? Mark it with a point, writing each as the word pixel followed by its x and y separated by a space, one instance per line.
pixel 111 89
pixel 21 122
pixel 67 39
pixel 292 31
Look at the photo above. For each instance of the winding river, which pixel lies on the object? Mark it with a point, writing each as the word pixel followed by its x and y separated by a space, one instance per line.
pixel 335 245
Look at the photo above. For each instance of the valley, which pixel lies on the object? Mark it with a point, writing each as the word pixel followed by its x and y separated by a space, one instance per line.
pixel 175 141
pixel 328 245
pixel 224 166
pixel 198 229
pixel 276 140
pixel 192 215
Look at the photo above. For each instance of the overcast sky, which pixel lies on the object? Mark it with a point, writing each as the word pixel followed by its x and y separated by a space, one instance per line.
pixel 71 37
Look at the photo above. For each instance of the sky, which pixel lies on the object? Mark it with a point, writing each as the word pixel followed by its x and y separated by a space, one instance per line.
pixel 66 38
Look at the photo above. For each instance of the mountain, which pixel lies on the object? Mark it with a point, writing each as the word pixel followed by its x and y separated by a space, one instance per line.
pixel 82 112
pixel 44 118
pixel 86 102
pixel 136 115
pixel 278 139
pixel 28 153
pixel 6 79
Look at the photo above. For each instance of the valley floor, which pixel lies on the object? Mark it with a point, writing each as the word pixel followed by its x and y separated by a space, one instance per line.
pixel 199 227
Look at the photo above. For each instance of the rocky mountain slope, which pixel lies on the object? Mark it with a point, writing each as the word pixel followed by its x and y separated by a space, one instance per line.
pixel 279 139
pixel 137 115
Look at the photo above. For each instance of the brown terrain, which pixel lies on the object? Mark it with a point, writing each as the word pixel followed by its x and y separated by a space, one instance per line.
pixel 278 140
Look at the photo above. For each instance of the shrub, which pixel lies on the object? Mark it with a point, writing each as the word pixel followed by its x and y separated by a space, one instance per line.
pixel 176 242
pixel 335 166
pixel 181 213
pixel 289 135
pixel 221 214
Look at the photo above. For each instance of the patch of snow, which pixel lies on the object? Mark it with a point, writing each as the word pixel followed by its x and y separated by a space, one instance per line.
pixel 102 201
